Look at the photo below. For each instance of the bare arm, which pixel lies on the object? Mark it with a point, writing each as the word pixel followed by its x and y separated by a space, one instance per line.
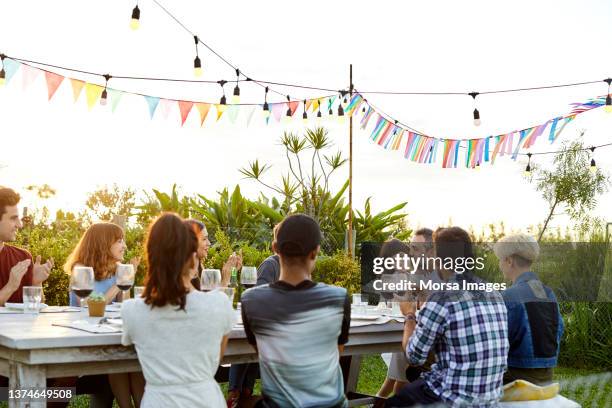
pixel 111 294
pixel 223 347
pixel 15 275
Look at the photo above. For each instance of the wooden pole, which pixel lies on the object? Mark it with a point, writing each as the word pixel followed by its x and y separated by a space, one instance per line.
pixel 350 220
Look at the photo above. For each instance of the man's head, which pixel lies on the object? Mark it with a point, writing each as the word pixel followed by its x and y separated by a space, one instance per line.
pixel 298 240
pixel 421 243
pixel 9 214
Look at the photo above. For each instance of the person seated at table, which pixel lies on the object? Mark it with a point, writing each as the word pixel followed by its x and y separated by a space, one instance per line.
pixel 172 320
pixel 396 372
pixel 535 325
pixel 17 268
pixel 297 326
pixel 234 260
pixel 242 376
pixel 102 247
pixel 469 368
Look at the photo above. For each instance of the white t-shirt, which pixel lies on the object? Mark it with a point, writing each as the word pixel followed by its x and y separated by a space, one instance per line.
pixel 178 350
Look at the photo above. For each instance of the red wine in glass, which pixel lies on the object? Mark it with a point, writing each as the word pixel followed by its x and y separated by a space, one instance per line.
pixel 82 293
pixel 124 287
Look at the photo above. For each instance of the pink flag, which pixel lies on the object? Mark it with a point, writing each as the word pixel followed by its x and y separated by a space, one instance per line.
pixel 28 75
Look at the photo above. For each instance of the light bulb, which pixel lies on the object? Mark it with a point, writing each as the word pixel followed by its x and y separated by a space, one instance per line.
pixel 593 167
pixel 236 96
pixel 287 117
pixel 2 77
pixel 528 171
pixel 319 117
pixel 223 100
pixel 197 66
pixel 476 117
pixel 135 22
pixel 608 106
pixel 104 97
pixel 266 110
pixel 305 117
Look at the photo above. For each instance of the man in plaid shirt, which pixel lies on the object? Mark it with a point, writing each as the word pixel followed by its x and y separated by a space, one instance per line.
pixel 467 332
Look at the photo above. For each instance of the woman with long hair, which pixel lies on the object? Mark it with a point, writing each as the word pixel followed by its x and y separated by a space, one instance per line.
pixel 172 319
pixel 102 247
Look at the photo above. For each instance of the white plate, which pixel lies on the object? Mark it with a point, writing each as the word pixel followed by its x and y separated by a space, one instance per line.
pixel 364 317
pixel 19 306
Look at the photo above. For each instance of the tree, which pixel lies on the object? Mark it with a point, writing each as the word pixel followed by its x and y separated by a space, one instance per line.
pixel 106 202
pixel 571 183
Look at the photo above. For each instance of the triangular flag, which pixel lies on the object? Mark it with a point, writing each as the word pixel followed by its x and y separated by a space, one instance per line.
pixel 28 75
pixel 115 96
pixel 10 69
pixel 203 108
pixel 77 87
pixel 220 109
pixel 165 106
pixel 53 82
pixel 152 102
pixel 250 114
pixel 185 108
pixel 293 106
pixel 92 92
pixel 309 104
pixel 233 111
pixel 277 111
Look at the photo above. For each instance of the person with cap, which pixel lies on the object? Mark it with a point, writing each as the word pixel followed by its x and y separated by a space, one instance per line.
pixel 297 326
pixel 535 325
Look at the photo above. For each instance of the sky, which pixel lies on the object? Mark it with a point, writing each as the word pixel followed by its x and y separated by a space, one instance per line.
pixel 396 46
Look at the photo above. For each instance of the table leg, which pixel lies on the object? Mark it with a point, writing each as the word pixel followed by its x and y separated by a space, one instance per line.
pixel 27 377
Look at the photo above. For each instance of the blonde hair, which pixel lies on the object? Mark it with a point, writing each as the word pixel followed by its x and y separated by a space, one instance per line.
pixel 522 248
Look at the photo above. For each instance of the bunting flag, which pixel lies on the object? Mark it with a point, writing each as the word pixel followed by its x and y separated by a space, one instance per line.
pixel 28 75
pixel 10 69
pixel 152 102
pixel 292 106
pixel 115 96
pixel 92 92
pixel 232 113
pixel 220 109
pixel 203 109
pixel 277 111
pixel 77 87
pixel 53 82
pixel 185 108
pixel 165 105
pixel 366 117
pixel 252 113
pixel 354 104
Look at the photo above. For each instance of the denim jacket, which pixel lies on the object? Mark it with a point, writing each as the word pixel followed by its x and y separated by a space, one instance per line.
pixel 535 325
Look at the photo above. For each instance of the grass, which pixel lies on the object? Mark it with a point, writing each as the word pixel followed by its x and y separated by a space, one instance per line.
pixel 374 371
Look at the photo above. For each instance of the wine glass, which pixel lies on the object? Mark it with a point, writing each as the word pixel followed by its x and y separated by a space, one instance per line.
pixel 125 277
pixel 248 276
pixel 210 279
pixel 82 282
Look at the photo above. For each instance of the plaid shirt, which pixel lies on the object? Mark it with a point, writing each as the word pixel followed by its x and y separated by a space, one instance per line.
pixel 469 335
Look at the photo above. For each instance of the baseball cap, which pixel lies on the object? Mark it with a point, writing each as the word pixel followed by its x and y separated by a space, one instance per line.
pixel 298 235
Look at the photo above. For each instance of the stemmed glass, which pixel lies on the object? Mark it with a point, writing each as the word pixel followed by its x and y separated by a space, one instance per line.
pixel 248 276
pixel 82 282
pixel 125 278
pixel 210 279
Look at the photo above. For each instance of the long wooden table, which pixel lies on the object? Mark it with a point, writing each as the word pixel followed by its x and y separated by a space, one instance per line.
pixel 32 349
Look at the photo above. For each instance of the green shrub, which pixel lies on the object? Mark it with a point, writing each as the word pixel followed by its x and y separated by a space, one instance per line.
pixel 339 270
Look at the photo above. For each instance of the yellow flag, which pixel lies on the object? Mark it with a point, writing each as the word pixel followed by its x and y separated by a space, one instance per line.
pixel 93 92
pixel 77 87
pixel 220 110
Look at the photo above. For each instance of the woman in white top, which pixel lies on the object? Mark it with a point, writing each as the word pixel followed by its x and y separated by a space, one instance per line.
pixel 179 333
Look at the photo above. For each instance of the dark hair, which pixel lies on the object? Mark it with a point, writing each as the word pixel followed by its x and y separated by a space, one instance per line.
pixel 195 225
pixel 453 242
pixel 170 245
pixel 8 198
pixel 425 233
pixel 391 248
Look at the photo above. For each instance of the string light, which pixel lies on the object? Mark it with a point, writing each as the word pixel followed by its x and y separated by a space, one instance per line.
pixel 395 129
pixel 319 116
pixel 344 98
pixel 476 113
pixel 135 22
pixel 287 117
pixel 2 73
pixel 593 167
pixel 266 107
pixel 305 115
pixel 104 97
pixel 236 96
pixel 528 168
pixel 223 100
pixel 608 107
pixel 197 63
pixel 340 113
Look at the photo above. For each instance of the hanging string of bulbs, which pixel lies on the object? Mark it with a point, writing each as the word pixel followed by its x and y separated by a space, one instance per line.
pixel 592 165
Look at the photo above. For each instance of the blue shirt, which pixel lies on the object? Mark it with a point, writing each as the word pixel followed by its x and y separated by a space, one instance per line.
pixel 535 325
pixel 101 286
